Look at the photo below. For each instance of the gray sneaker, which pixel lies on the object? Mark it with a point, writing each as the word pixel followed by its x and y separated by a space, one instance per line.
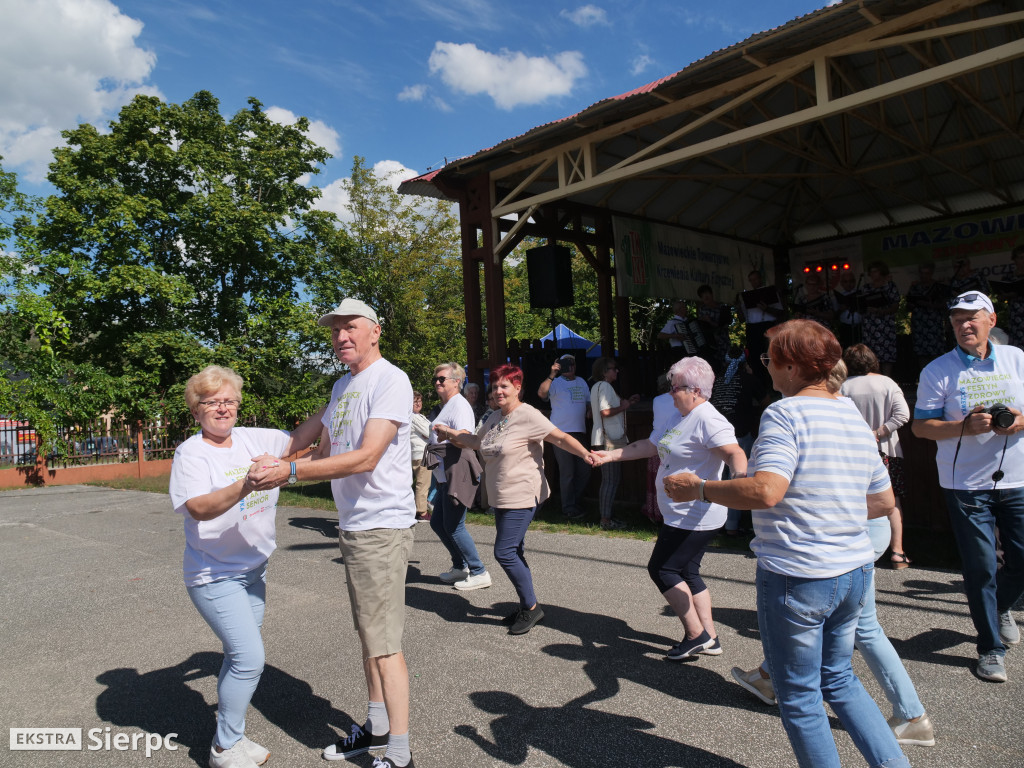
pixel 1009 632
pixel 990 667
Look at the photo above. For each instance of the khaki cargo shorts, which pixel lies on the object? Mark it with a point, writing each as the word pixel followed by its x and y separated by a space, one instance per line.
pixel 376 562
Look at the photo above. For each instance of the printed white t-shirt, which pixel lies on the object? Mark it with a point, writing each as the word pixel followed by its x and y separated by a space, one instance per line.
pixel 457 413
pixel 949 388
pixel 685 446
pixel 382 498
pixel 243 537
pixel 569 404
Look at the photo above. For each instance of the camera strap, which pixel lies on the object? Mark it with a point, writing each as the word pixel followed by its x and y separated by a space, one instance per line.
pixel 996 476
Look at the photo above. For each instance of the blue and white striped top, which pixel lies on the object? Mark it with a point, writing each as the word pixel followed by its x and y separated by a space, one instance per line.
pixel 830 457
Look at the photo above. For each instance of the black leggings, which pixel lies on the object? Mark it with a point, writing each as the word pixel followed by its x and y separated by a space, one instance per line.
pixel 676 558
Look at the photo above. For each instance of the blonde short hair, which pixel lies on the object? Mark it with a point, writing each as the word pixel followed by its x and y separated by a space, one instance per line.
pixel 209 380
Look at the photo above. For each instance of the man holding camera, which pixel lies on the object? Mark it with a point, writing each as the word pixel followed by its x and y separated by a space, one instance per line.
pixel 969 402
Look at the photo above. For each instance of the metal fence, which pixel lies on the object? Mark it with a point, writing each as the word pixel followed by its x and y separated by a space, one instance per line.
pixel 102 441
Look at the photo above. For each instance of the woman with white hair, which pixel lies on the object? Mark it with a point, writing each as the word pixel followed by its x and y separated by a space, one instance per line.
pixel 448 519
pixel 701 441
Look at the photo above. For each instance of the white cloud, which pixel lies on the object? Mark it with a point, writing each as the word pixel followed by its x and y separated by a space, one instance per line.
pixel 421 92
pixel 413 93
pixel 640 64
pixel 336 198
pixel 319 132
pixel 586 16
pixel 510 78
pixel 64 62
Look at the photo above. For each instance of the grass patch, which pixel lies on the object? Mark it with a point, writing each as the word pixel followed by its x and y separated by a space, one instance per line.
pixel 548 520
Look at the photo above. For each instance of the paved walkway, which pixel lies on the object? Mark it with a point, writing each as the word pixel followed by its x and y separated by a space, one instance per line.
pixel 98 632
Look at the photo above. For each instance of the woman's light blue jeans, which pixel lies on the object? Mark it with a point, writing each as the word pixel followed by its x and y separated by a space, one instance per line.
pixel 233 607
pixel 448 521
pixel 807 630
pixel 881 657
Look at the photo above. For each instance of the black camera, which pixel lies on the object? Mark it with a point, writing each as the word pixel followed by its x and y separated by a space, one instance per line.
pixel 1001 416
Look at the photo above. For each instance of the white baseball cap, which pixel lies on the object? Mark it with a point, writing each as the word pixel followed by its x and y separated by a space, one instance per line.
pixel 350 308
pixel 972 301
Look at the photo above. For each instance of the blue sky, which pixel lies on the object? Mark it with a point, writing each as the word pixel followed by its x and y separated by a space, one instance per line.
pixel 403 83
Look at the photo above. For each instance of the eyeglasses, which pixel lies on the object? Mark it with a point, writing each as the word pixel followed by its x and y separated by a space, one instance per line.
pixel 212 405
pixel 765 359
pixel 684 388
pixel 967 297
pixel 440 379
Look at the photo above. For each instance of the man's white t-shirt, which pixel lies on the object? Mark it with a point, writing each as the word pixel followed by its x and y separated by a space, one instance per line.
pixel 243 537
pixel 949 388
pixel 457 413
pixel 569 403
pixel 685 446
pixel 384 497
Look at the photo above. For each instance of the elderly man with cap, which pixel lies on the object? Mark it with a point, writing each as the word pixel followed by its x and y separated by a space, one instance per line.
pixel 365 452
pixel 969 401
pixel 570 400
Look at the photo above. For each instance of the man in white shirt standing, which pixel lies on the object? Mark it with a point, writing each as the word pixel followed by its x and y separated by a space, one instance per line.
pixel 569 396
pixel 969 401
pixel 365 452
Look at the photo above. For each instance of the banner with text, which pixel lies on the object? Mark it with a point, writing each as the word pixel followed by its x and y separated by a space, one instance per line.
pixel 663 262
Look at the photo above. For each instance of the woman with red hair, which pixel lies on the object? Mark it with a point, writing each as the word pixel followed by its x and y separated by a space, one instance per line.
pixel 814 479
pixel 511 441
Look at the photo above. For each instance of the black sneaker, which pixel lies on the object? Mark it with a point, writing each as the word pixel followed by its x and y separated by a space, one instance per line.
pixel 356 743
pixel 688 648
pixel 385 762
pixel 525 620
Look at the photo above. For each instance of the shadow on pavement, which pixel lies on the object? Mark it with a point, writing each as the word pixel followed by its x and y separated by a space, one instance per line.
pixel 162 702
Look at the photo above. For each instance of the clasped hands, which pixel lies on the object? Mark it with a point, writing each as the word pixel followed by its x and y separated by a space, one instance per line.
pixel 266 472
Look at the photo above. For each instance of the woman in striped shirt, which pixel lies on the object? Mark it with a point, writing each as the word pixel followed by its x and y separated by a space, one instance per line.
pixel 814 478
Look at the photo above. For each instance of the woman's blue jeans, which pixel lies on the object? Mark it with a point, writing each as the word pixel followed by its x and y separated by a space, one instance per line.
pixel 448 521
pixel 509 539
pixel 233 607
pixel 881 657
pixel 807 630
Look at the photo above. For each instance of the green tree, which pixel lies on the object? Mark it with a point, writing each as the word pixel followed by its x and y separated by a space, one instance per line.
pixel 38 382
pixel 180 238
pixel 404 261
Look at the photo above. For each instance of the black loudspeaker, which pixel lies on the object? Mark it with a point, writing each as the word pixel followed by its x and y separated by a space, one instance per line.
pixel 549 270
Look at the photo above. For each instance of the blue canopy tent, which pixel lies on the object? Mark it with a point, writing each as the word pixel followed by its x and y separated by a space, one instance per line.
pixel 566 338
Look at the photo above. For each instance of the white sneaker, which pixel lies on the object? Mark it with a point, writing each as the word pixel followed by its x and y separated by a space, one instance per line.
pixel 259 754
pixel 480 581
pixel 455 574
pixel 759 686
pixel 236 757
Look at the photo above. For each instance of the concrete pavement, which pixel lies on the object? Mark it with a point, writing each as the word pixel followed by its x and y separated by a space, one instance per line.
pixel 97 632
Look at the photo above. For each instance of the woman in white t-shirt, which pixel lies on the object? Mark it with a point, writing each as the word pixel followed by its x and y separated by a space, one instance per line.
pixel 229 534
pixel 702 441
pixel 448 520
pixel 609 432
